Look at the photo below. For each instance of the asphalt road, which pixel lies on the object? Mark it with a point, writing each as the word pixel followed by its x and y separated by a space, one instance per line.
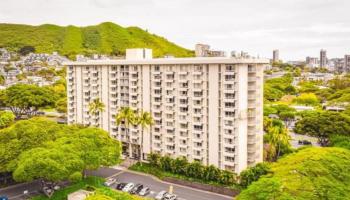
pixel 156 186
pixel 16 192
pixel 184 193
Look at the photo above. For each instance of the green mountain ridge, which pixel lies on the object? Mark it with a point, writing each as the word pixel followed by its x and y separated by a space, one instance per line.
pixel 105 38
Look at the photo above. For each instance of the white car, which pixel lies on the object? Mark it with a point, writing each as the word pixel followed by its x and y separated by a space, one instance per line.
pixel 161 194
pixel 170 197
pixel 128 187
pixel 145 191
pixel 110 182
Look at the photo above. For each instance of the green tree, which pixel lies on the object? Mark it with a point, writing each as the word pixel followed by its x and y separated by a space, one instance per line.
pixel 277 140
pixel 144 119
pixel 323 125
pixel 227 177
pixel 96 107
pixel 265 189
pixel 211 173
pixel 252 174
pixel 154 159
pixel 308 99
pixel 47 164
pixel 125 117
pixel 195 169
pixel 23 136
pixel 6 119
pixel 166 163
pixel 179 165
pixel 27 99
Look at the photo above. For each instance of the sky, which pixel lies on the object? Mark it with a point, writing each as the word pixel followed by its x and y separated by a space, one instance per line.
pixel 298 28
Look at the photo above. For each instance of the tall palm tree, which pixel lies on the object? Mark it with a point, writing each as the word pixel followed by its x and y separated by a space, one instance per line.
pixel 96 107
pixel 125 117
pixel 277 136
pixel 144 119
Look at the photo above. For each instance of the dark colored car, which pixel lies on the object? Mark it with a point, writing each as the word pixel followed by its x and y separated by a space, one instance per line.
pixel 4 198
pixel 136 189
pixel 120 186
pixel 304 142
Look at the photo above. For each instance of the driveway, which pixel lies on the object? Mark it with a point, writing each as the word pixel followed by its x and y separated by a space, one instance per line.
pixel 156 186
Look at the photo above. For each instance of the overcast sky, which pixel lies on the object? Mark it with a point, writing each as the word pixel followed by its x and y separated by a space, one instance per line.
pixel 297 28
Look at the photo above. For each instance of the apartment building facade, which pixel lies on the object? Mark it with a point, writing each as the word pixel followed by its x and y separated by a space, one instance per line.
pixel 206 109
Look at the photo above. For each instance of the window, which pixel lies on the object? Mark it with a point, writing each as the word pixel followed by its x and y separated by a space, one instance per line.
pixel 229 68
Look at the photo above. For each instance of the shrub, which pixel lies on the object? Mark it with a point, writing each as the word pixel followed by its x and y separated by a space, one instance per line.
pixel 76 177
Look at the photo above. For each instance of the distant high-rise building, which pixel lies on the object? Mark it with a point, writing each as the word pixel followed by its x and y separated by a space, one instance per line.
pixel 276 55
pixel 311 61
pixel 347 63
pixel 203 50
pixel 323 58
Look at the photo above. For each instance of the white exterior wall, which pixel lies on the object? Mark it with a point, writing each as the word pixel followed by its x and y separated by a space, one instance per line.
pixel 199 105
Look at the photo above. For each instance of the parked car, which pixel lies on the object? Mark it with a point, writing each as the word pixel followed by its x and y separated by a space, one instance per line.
pixel 135 190
pixel 128 187
pixel 145 191
pixel 110 182
pixel 160 195
pixel 4 198
pixel 169 196
pixel 304 142
pixel 120 186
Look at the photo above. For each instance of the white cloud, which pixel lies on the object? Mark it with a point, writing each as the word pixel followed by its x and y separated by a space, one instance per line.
pixel 297 27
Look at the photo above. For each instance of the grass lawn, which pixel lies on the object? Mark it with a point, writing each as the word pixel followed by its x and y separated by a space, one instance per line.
pixel 146 168
pixel 92 182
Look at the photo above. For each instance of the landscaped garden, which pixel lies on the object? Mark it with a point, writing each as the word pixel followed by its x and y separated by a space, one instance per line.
pixel 180 168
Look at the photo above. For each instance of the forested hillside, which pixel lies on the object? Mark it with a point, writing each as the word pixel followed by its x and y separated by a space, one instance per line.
pixel 105 38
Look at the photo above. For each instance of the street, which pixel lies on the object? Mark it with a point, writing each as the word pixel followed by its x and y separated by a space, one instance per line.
pixel 157 186
pixel 15 192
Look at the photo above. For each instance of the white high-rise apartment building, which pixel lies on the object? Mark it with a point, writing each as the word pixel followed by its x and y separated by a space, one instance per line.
pixel 208 109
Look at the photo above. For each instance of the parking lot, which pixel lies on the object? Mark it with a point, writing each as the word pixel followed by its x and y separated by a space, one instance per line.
pixel 183 193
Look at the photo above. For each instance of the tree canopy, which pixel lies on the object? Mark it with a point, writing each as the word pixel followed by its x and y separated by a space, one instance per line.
pixel 6 119
pixel 40 148
pixel 311 173
pixel 323 125
pixel 27 99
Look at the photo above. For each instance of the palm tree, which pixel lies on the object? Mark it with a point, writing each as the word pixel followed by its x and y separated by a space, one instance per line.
pixel 127 116
pixel 276 137
pixel 96 106
pixel 144 119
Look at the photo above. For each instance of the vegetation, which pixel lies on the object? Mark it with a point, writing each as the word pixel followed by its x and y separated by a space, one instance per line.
pixel 6 119
pixel 252 174
pixel 25 99
pixel 144 119
pixel 275 88
pixel 96 107
pixel 182 169
pixel 105 38
pixel 42 149
pixel 276 139
pixel 311 173
pixel 323 125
